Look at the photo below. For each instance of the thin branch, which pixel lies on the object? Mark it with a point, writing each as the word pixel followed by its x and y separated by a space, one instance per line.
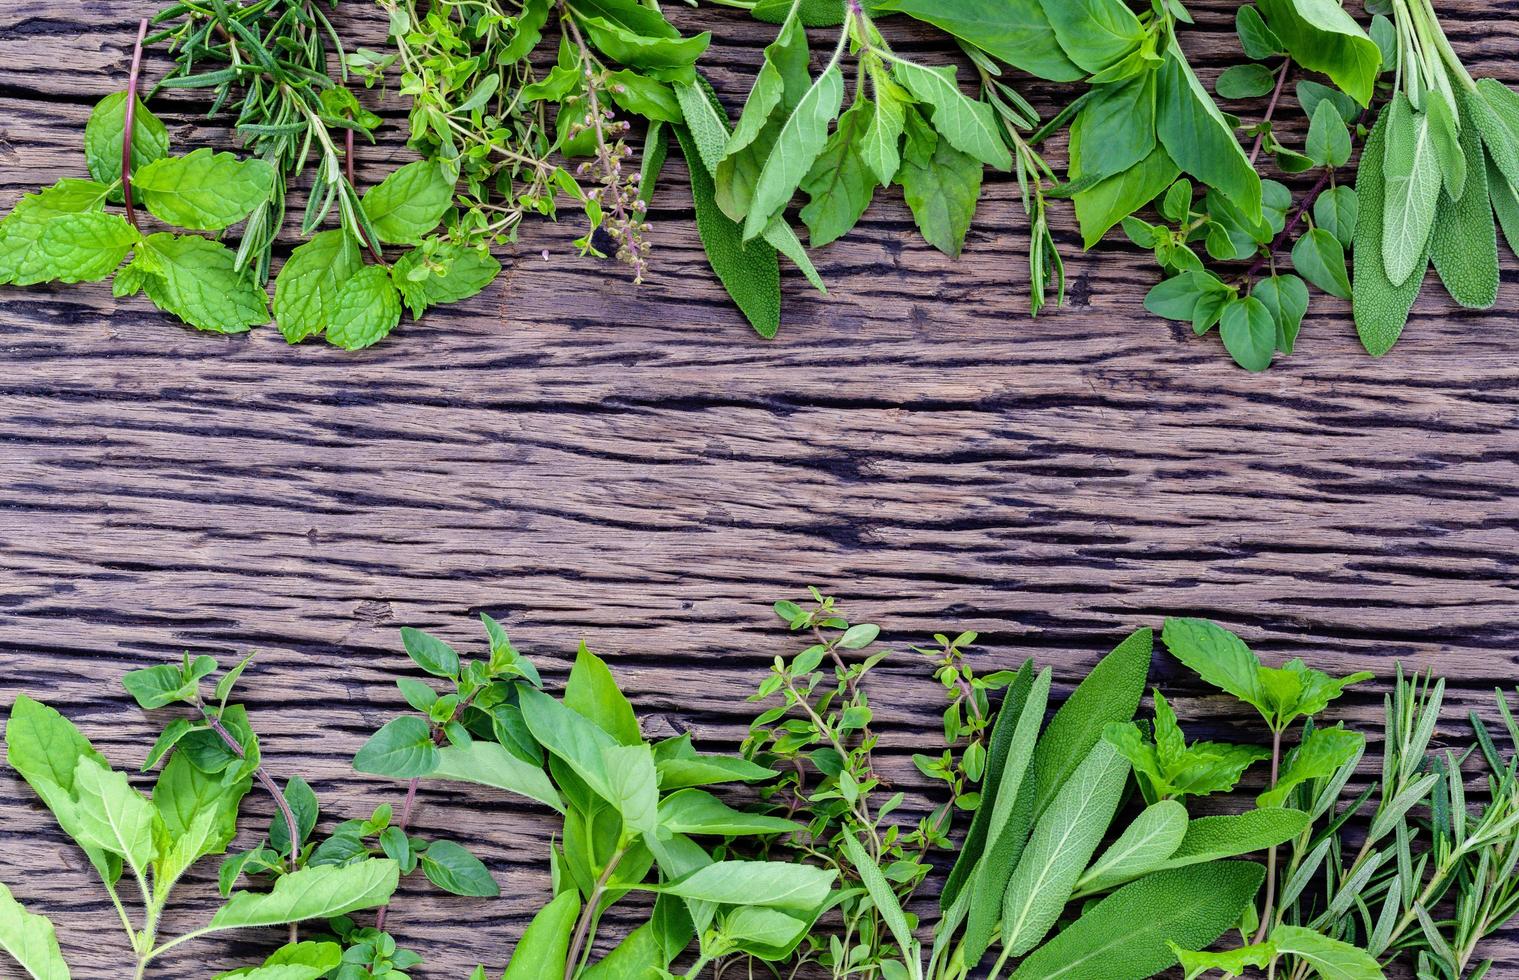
pixel 129 120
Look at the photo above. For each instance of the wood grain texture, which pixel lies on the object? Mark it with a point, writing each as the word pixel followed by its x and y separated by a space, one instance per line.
pixel 580 458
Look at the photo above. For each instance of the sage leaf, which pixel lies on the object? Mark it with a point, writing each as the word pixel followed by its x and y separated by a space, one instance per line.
pixel 311 893
pixel 205 190
pixel 1110 692
pixel 409 202
pixel 1213 838
pixel 1152 837
pixel 1464 243
pixel 800 139
pixel 1126 935
pixel 1504 200
pixel 1412 190
pixel 885 901
pixel 1380 307
pixel 490 764
pixel 30 940
pixel 1495 110
pixel 1062 843
pixel 1445 130
pixel 545 943
pixel 969 125
pixel 1249 332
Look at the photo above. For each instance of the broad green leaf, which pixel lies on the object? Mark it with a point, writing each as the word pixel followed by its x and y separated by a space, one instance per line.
pixel 941 186
pixel 1229 963
pixel 1152 837
pixel 1464 243
pixel 1321 754
pixel 294 961
pixel 1258 40
pixel 1199 138
pixel 797 144
pixel 1114 198
pixel 705 770
pixel 22 228
pixel 112 816
pixel 545 944
pixel 303 806
pixel 694 811
pixel 1095 34
pixel 30 940
pixel 650 947
pixel 1331 959
pixel 1010 808
pixel 204 191
pixel 102 139
pixel 1311 93
pixel 1412 185
pixel 409 203
pixel 839 186
pixel 885 901
pixel 1495 110
pixel 1286 299
pixel 773 884
pixel 311 893
pixel 1249 332
pixel 968 124
pixel 666 58
pixel 1212 838
pixel 880 146
pixel 1328 137
pixel 198 281
pixel 1060 847
pixel 446 273
pixel 1380 308
pixel 570 737
pixel 644 96
pixel 456 871
pixel 1335 211
pixel 1115 129
pixel 197 811
pixel 365 310
pixel 633 786
pixel 1127 935
pixel 1014 31
pixel 1322 36
pixel 430 653
pixel 1111 692
pixel 490 764
pixel 309 281
pixel 403 748
pixel 748 927
pixel 167 739
pixel 83 247
pixel 592 692
pixel 1247 81
pixel 1217 656
pixel 164 684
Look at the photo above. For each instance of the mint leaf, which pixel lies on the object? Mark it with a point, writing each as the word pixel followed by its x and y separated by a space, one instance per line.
pixel 941 185
pixel 440 272
pixel 205 190
pixel 365 310
pixel 1322 753
pixel 73 248
pixel 839 186
pixel 102 140
pixel 196 280
pixel 22 228
pixel 409 203
pixel 1167 767
pixel 309 282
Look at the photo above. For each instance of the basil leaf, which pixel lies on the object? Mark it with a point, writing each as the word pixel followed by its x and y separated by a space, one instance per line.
pixel 456 871
pixel 490 764
pixel 311 893
pixel 1199 138
pixel 1095 34
pixel 969 125
pixel 1015 31
pixel 545 944
pixel 839 186
pixel 1322 36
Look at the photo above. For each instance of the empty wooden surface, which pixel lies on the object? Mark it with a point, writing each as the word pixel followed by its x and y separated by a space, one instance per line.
pixel 631 466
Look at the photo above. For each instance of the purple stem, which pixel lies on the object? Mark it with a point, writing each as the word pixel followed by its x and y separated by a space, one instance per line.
pixel 129 120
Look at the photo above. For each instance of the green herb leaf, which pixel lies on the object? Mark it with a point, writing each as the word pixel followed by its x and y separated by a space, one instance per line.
pixel 797 145
pixel 1169 767
pixel 1014 31
pixel 592 692
pixel 456 871
pixel 1248 332
pixel 1106 203
pixel 409 203
pixel 1320 258
pixel 1199 138
pixel 1247 81
pixel 1286 299
pixel 941 185
pixel 490 764
pixel 303 805
pixel 693 811
pixel 308 284
pixel 1128 933
pixel 198 281
pixel 112 816
pixel 30 940
pixel 1095 34
pixel 1230 963
pixel 1380 307
pixel 1258 40
pixel 1412 190
pixel 773 884
pixel 205 191
pixel 1152 837
pixel 1335 211
pixel 403 748
pixel 545 944
pixel 311 893
pixel 1464 243
pixel 365 310
pixel 1328 138
pixel 1322 36
pixel 164 684
pixel 969 125
pixel 1321 754
pixel 1331 958
pixel 839 186
pixel 443 273
pixel 103 136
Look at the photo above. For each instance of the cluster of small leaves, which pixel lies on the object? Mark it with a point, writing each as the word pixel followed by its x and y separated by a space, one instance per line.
pixel 967 721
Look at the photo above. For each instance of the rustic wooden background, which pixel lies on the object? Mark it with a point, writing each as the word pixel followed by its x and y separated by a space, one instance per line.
pixel 583 459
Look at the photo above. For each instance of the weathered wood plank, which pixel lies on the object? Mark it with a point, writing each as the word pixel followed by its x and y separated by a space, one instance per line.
pixel 583 459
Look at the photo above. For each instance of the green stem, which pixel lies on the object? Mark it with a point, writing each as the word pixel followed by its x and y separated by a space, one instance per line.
pixel 579 945
pixel 1268 908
